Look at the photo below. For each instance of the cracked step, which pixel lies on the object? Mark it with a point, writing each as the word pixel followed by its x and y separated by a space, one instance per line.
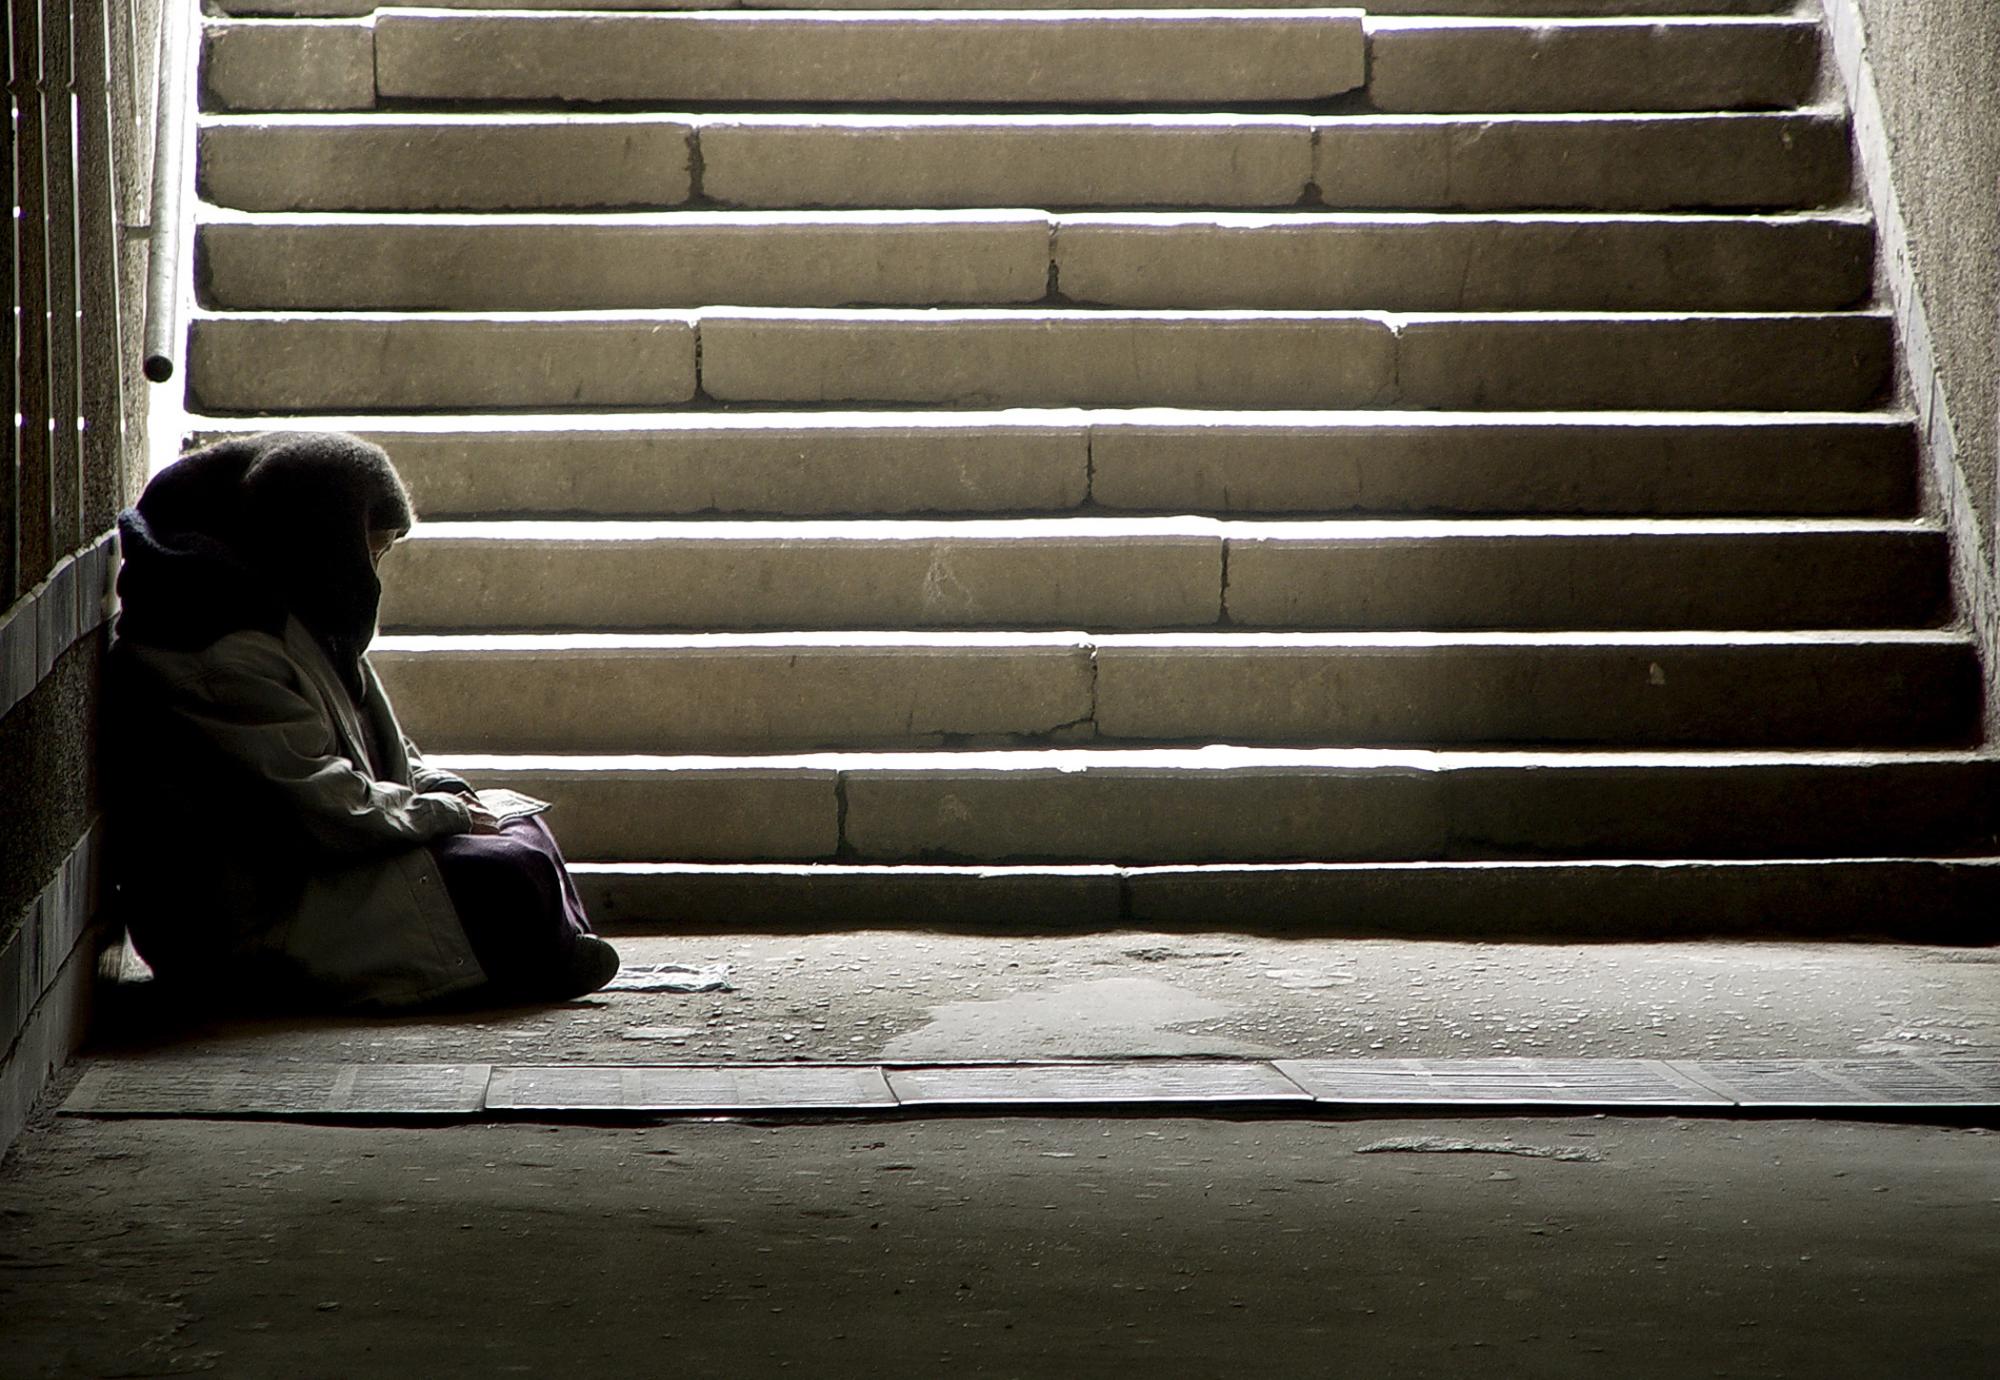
pixel 1296 260
pixel 802 691
pixel 829 464
pixel 1140 573
pixel 1241 805
pixel 577 160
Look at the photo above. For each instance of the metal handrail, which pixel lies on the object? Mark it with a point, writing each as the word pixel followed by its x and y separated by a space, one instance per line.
pixel 163 259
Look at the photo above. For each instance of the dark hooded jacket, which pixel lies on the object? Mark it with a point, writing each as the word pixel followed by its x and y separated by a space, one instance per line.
pixel 267 815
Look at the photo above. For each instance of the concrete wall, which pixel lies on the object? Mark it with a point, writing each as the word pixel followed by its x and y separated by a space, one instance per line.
pixel 82 163
pixel 1923 80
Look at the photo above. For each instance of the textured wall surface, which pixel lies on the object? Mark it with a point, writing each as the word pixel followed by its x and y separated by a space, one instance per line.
pixel 83 87
pixel 1936 65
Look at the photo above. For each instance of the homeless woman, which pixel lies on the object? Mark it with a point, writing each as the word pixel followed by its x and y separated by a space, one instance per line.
pixel 271 831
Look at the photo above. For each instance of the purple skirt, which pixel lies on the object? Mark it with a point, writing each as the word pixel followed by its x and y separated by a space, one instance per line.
pixel 516 902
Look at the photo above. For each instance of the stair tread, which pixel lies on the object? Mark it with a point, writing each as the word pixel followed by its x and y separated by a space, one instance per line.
pixel 1221 758
pixel 805 642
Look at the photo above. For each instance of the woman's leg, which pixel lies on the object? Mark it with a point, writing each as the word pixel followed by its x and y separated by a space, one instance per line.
pixel 520 911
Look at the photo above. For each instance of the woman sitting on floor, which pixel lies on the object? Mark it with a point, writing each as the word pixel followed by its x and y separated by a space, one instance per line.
pixel 272 831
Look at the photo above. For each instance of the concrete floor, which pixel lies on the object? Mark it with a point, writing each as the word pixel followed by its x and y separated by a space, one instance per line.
pixel 914 996
pixel 1058 1246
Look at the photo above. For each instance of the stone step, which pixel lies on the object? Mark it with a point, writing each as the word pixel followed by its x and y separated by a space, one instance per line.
pixel 1438 65
pixel 1518 8
pixel 777 692
pixel 1940 900
pixel 482 162
pixel 1216 260
pixel 883 59
pixel 831 464
pixel 366 362
pixel 1243 805
pixel 1141 573
pixel 868 57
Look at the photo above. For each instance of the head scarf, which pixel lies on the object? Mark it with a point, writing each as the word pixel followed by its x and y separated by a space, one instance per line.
pixel 242 533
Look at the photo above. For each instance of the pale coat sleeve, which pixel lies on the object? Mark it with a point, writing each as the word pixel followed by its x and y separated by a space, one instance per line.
pixel 242 697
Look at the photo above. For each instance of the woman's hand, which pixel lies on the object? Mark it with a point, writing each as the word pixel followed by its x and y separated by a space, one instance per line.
pixel 484 821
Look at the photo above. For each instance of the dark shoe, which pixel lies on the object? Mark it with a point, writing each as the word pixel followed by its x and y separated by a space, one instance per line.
pixel 592 963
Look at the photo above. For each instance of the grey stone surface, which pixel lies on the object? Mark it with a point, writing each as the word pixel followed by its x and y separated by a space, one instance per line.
pixel 408 162
pixel 734 694
pixel 294 64
pixel 1132 813
pixel 713 809
pixel 1927 121
pixel 788 692
pixel 832 57
pixel 1428 65
pixel 1473 463
pixel 1613 575
pixel 1345 261
pixel 1636 162
pixel 245 362
pixel 796 464
pixel 1562 8
pixel 1747 361
pixel 1107 1246
pixel 1053 573
pixel 1530 689
pixel 1048 358
pixel 1006 160
pixel 607 262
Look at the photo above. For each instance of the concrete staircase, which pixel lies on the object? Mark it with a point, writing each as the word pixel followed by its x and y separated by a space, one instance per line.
pixel 1270 467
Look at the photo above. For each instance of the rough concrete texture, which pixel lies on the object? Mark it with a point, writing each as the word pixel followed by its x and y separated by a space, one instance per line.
pixel 1480 463
pixel 443 162
pixel 788 692
pixel 1145 572
pixel 1544 573
pixel 1004 1246
pixel 1937 73
pixel 1565 8
pixel 275 363
pixel 295 64
pixel 1146 260
pixel 1613 163
pixel 1064 573
pixel 817 464
pixel 1791 360
pixel 832 57
pixel 1049 358
pixel 869 994
pixel 1344 261
pixel 1006 160
pixel 1423 64
pixel 1217 804
pixel 809 465
pixel 685 259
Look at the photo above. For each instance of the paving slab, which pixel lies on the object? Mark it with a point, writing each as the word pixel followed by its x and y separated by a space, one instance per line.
pixel 1135 1083
pixel 238 1088
pixel 573 1088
